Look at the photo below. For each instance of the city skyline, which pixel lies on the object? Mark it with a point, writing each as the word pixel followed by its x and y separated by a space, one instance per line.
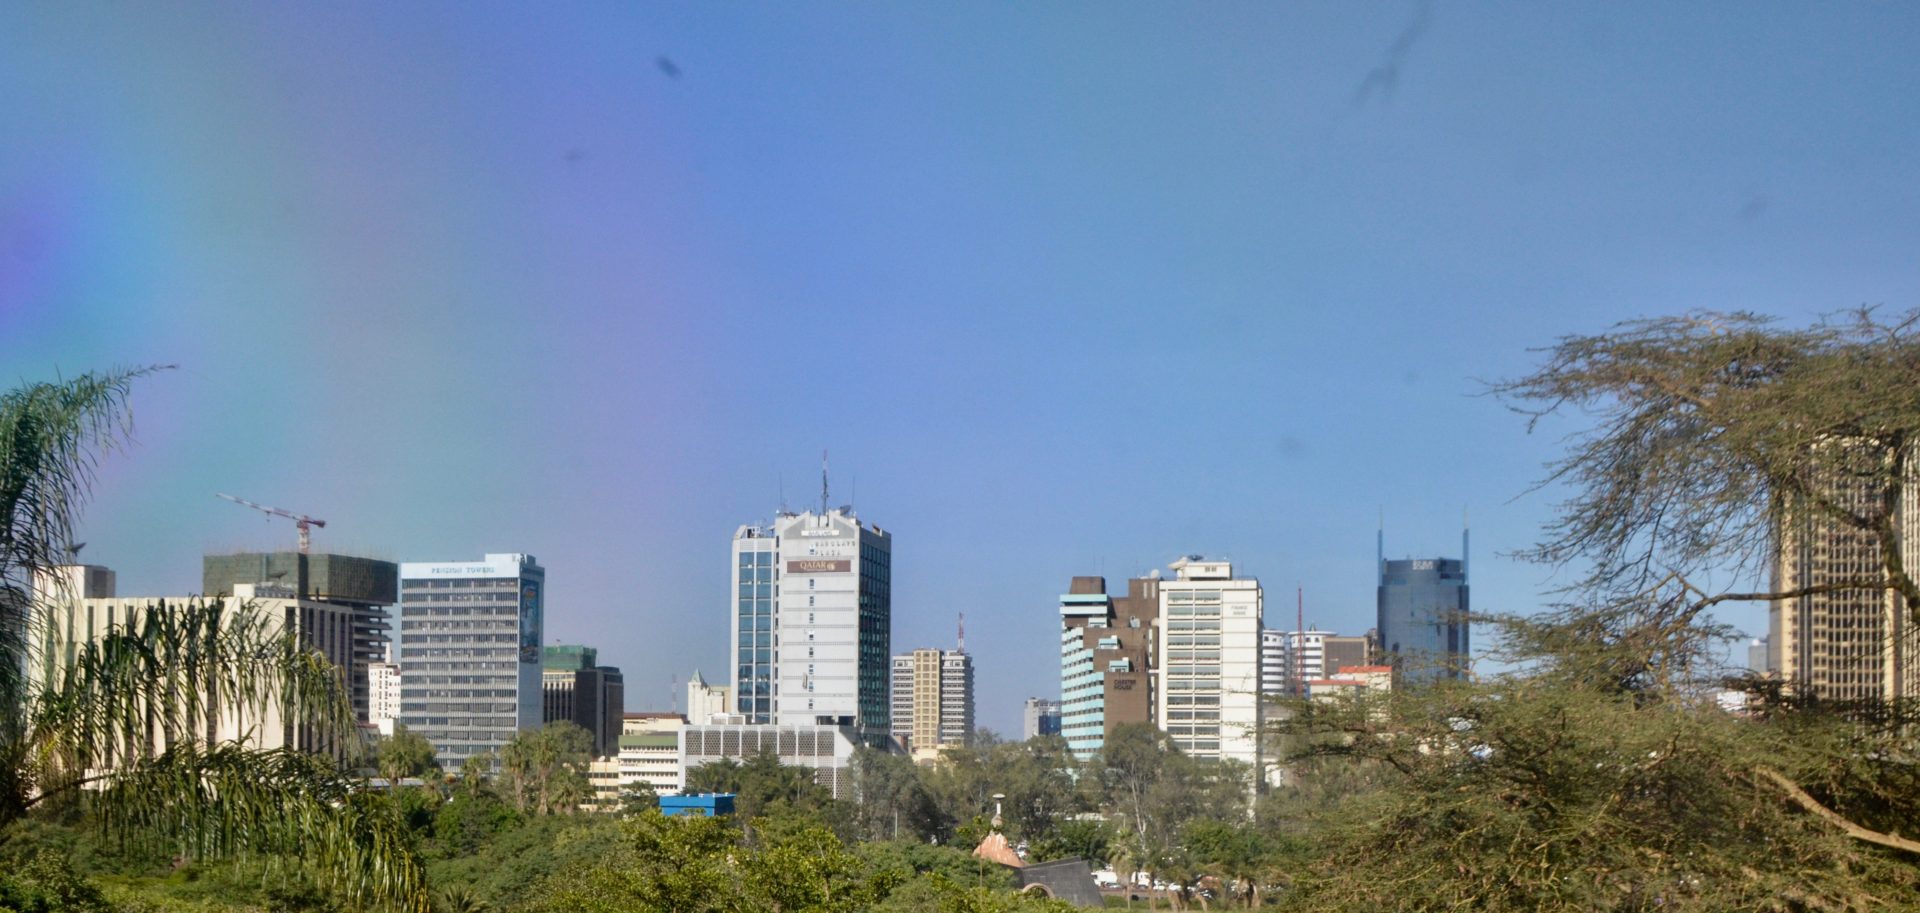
pixel 464 283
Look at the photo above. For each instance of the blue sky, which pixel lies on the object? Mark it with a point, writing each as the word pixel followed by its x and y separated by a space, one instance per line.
pixel 1065 288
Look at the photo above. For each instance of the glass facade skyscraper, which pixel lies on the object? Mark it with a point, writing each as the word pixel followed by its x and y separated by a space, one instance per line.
pixel 1423 617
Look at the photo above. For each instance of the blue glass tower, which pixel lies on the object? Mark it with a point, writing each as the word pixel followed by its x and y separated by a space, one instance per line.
pixel 1423 615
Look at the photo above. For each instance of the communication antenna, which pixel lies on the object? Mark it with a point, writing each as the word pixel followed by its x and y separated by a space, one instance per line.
pixel 962 648
pixel 1300 642
pixel 823 483
pixel 1464 531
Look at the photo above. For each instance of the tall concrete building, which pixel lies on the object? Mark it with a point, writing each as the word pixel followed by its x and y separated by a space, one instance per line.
pixel 81 604
pixel 1041 717
pixel 1106 660
pixel 576 688
pixel 1848 644
pixel 812 620
pixel 1210 701
pixel 1423 619
pixel 383 694
pixel 364 587
pixel 933 699
pixel 470 652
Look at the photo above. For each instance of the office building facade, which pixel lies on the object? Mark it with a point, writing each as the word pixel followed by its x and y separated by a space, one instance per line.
pixel 1289 658
pixel 470 658
pixel 1848 644
pixel 576 688
pixel 1423 616
pixel 812 621
pixel 1040 717
pixel 365 587
pixel 80 604
pixel 1210 702
pixel 933 699
pixel 1107 646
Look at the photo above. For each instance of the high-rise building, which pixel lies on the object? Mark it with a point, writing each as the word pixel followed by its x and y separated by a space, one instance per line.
pixel 1289 658
pixel 1042 717
pixel 470 652
pixel 1210 701
pixel 1423 616
pixel 576 688
pixel 363 586
pixel 80 604
pixel 933 699
pixel 1847 644
pixel 1106 660
pixel 813 620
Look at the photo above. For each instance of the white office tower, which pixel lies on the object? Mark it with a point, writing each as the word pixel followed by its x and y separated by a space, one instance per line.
pixel 812 620
pixel 470 652
pixel 1209 694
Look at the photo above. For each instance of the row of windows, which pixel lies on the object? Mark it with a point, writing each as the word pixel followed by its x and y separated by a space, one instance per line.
pixel 442 737
pixel 462 625
pixel 443 665
pixel 462 693
pixel 457 708
pixel 459 638
pixel 482 653
pixel 504 611
pixel 459 597
pixel 1197 700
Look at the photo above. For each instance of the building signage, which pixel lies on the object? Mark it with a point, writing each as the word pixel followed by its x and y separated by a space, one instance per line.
pixel 819 566
pixel 1425 564
pixel 471 570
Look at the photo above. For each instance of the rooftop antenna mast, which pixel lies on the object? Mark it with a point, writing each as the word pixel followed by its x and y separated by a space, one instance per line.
pixel 962 648
pixel 1300 642
pixel 300 521
pixel 823 483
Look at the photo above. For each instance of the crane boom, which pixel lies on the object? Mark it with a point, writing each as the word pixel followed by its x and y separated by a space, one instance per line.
pixel 300 521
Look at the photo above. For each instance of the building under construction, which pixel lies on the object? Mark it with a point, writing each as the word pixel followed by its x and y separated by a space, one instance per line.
pixel 365 586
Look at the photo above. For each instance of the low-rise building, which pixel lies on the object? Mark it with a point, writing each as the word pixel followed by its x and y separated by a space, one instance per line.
pixel 650 752
pixel 827 751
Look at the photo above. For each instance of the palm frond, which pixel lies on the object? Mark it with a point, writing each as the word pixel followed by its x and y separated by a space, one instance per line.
pixel 52 436
pixel 289 807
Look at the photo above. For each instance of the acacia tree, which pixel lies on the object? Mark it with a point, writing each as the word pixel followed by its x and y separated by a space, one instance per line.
pixel 1711 433
pixel 128 716
pixel 1593 775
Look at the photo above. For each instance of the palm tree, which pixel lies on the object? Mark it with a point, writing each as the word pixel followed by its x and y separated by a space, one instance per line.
pixel 125 722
